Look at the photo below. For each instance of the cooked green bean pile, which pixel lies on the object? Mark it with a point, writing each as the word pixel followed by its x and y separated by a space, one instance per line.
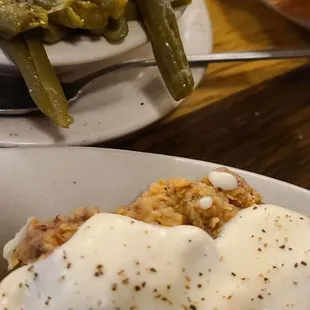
pixel 25 26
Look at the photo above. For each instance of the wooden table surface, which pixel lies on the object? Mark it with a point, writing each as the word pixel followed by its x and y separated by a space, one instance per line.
pixel 255 115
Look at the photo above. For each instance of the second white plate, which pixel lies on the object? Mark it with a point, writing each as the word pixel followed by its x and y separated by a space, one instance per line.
pixel 118 103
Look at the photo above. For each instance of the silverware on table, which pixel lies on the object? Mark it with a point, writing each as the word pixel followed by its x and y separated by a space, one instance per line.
pixel 18 102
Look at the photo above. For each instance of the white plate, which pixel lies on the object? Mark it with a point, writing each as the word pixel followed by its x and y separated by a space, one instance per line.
pixel 47 181
pixel 112 107
pixel 301 22
pixel 75 50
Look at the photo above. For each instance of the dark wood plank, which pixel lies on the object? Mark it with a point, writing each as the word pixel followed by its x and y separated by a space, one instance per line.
pixel 265 129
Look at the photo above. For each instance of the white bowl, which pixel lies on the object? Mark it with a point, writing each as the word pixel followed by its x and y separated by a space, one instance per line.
pixel 44 182
pixel 85 49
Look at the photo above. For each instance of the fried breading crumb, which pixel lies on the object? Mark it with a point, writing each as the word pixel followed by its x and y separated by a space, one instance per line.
pixel 43 237
pixel 170 202
pixel 176 202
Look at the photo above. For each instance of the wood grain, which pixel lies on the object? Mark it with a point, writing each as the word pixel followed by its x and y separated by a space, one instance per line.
pixel 243 25
pixel 255 115
pixel 265 129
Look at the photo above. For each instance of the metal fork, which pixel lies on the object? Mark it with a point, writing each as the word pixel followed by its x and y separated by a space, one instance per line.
pixel 20 102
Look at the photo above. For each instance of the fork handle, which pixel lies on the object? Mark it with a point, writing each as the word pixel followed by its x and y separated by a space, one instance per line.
pixel 251 56
pixel 203 60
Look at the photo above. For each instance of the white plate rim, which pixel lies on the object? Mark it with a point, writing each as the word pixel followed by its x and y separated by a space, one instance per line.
pixel 210 165
pixel 110 152
pixel 128 155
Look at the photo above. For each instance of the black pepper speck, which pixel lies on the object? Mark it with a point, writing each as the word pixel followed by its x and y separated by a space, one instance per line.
pixel 30 268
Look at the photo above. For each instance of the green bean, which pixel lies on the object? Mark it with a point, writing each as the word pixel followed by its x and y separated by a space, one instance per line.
pixel 118 10
pixel 116 30
pixel 57 105
pixel 131 11
pixel 91 15
pixel 168 50
pixel 67 17
pixel 101 17
pixel 51 4
pixel 30 57
pixel 82 15
pixel 17 17
pixel 54 33
pixel 177 3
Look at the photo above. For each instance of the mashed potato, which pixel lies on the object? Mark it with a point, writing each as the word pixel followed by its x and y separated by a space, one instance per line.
pixel 259 261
